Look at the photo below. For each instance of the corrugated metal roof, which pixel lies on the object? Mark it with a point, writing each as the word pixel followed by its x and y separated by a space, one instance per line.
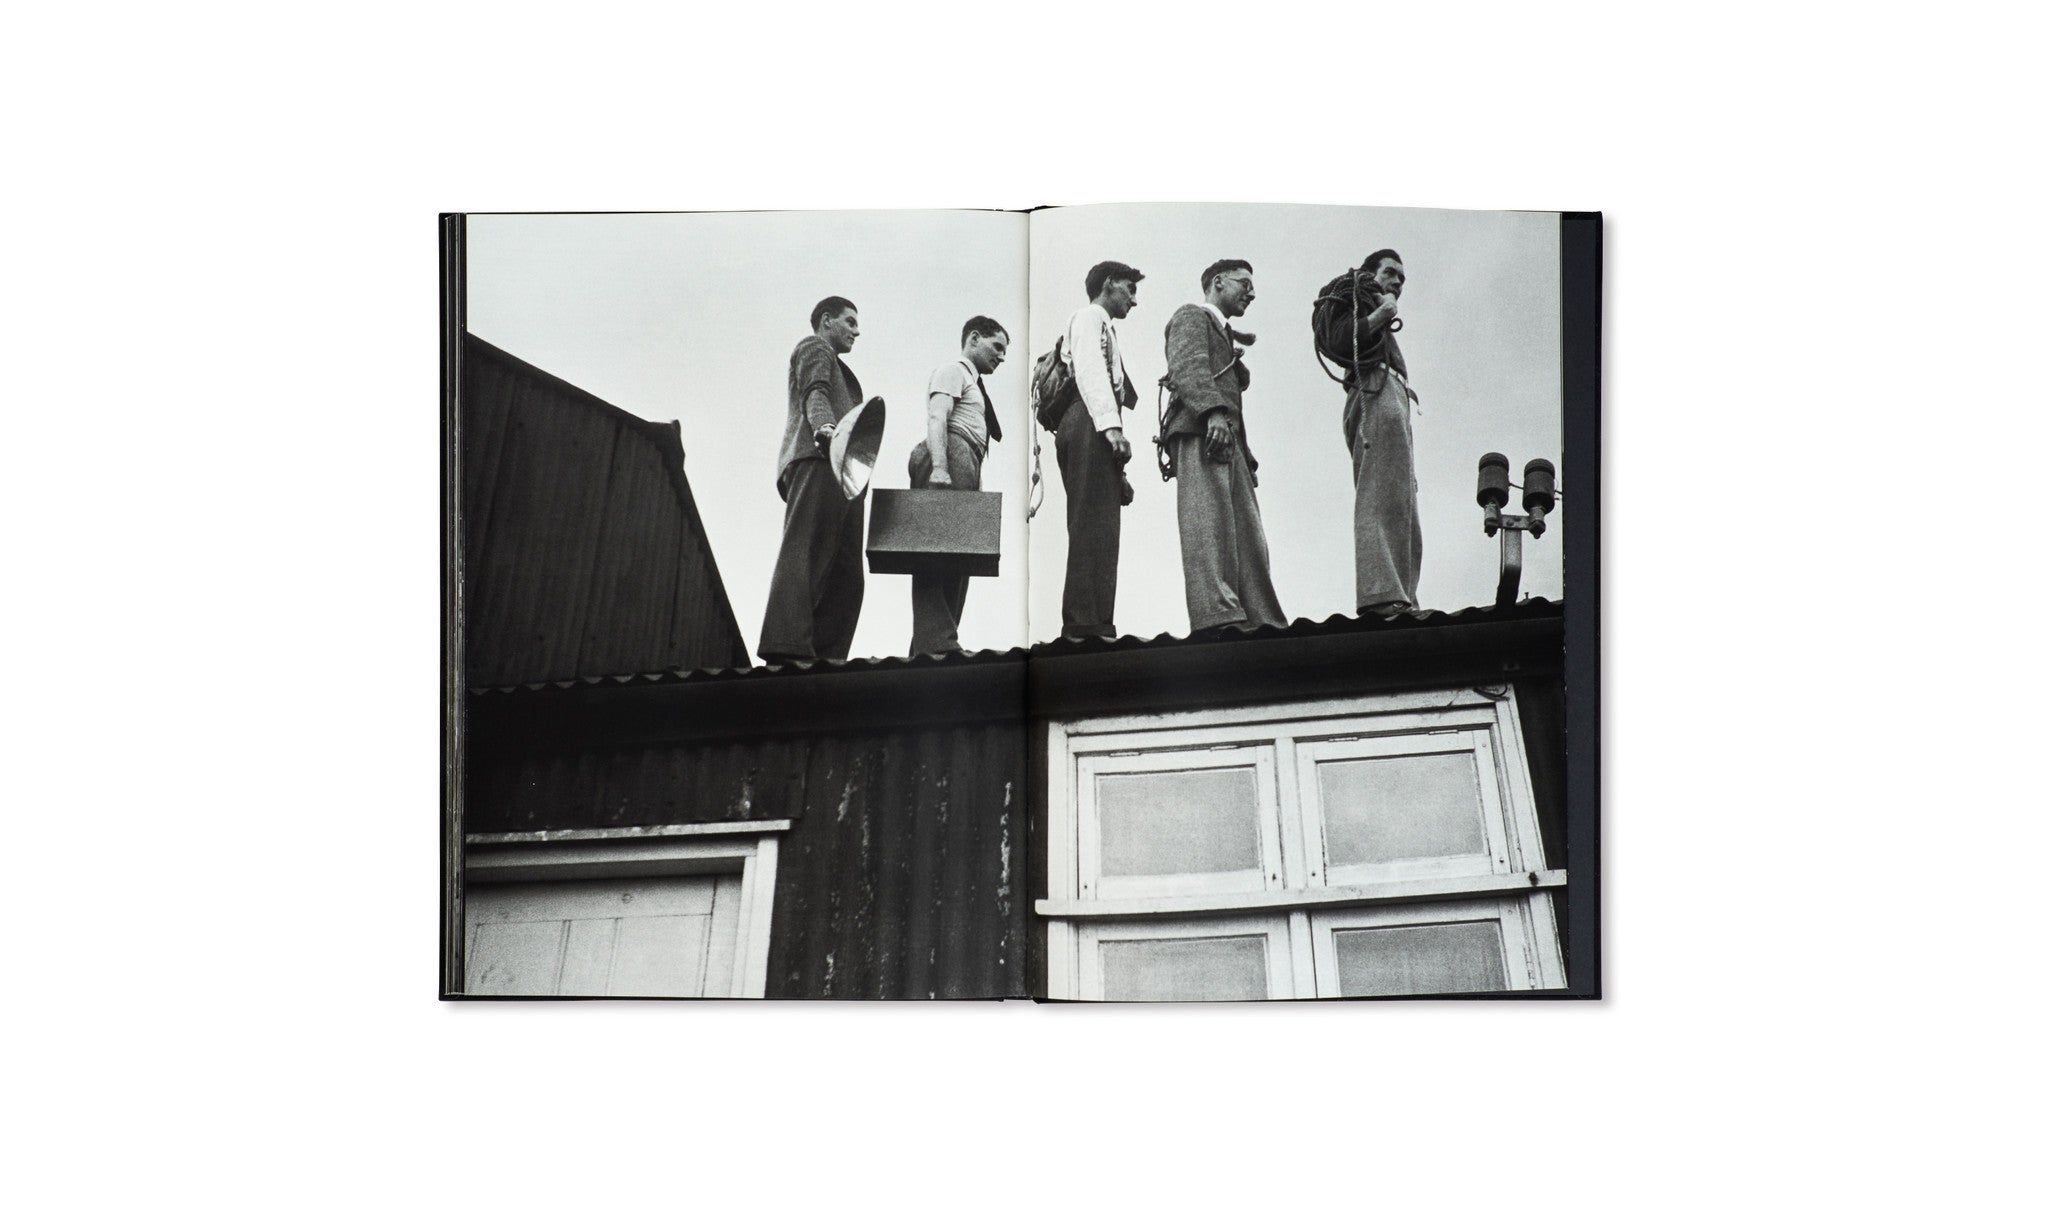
pixel 583 551
pixel 1336 625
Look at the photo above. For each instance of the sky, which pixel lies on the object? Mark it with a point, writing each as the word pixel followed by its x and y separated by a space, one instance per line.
pixel 693 317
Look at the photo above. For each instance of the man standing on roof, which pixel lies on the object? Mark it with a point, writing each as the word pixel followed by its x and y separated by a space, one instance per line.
pixel 1355 319
pixel 1093 450
pixel 960 423
pixel 1224 563
pixel 815 595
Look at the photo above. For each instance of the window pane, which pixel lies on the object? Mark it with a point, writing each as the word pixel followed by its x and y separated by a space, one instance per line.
pixel 1157 823
pixel 1401 807
pixel 1420 959
pixel 1215 967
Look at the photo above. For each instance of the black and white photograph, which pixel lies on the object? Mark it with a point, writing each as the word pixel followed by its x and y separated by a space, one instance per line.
pixel 1050 607
pixel 1127 602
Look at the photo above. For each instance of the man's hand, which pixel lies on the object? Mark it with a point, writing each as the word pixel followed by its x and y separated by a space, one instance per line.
pixel 1388 309
pixel 1217 442
pixel 939 479
pixel 1130 494
pixel 1118 443
pixel 823 438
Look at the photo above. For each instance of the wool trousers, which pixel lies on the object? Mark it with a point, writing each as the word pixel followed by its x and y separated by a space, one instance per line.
pixel 936 602
pixel 1094 484
pixel 1386 524
pixel 815 595
pixel 1223 557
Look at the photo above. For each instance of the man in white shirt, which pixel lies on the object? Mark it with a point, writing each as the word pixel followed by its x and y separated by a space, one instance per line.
pixel 1093 450
pixel 959 425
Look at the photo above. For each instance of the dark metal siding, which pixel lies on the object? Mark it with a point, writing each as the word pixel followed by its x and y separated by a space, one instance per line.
pixel 905 878
pixel 583 788
pixel 583 552
pixel 1541 703
pixel 901 878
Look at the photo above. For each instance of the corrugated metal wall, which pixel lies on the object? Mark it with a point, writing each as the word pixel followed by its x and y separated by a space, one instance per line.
pixel 901 878
pixel 584 788
pixel 583 552
pixel 905 878
pixel 1541 703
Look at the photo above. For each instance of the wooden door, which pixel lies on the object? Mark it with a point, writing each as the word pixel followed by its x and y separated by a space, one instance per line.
pixel 637 936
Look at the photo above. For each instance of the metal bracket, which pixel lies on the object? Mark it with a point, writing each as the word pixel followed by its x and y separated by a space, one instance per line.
pixel 1510 528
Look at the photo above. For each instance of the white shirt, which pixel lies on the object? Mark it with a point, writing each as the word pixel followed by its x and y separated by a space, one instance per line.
pixel 969 418
pixel 1091 350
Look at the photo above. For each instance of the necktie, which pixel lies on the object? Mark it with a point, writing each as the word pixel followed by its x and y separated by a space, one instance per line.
pixel 995 430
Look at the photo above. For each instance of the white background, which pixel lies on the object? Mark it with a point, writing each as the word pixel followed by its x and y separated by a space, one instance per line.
pixel 1823 452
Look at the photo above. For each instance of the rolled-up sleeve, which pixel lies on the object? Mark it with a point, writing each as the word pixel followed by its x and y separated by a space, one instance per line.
pixel 1088 344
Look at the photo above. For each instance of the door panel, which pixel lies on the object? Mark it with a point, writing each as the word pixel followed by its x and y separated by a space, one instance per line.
pixel 648 936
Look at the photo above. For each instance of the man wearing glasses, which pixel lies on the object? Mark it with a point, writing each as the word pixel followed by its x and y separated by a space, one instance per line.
pixel 1223 557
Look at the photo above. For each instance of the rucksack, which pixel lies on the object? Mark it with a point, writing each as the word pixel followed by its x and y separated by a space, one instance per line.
pixel 1052 387
pixel 1335 319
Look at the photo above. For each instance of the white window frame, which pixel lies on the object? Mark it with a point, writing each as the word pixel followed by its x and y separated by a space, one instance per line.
pixel 1528 965
pixel 1266 872
pixel 1495 830
pixel 1485 722
pixel 699 849
pixel 1284 973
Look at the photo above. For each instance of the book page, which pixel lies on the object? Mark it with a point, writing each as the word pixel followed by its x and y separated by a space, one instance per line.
pixel 1294 804
pixel 693 317
pixel 1480 335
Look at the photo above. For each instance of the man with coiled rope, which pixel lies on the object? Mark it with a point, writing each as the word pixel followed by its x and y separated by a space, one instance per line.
pixel 1355 319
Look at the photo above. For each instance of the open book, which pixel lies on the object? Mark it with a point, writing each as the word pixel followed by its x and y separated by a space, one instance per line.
pixel 1291 723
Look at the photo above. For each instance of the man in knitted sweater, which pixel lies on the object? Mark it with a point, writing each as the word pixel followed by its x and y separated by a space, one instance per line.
pixel 1225 566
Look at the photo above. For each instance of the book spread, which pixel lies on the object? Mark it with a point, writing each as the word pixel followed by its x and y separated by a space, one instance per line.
pixel 1134 602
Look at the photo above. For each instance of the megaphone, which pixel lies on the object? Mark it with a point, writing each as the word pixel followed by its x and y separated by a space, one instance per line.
pixel 856 442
